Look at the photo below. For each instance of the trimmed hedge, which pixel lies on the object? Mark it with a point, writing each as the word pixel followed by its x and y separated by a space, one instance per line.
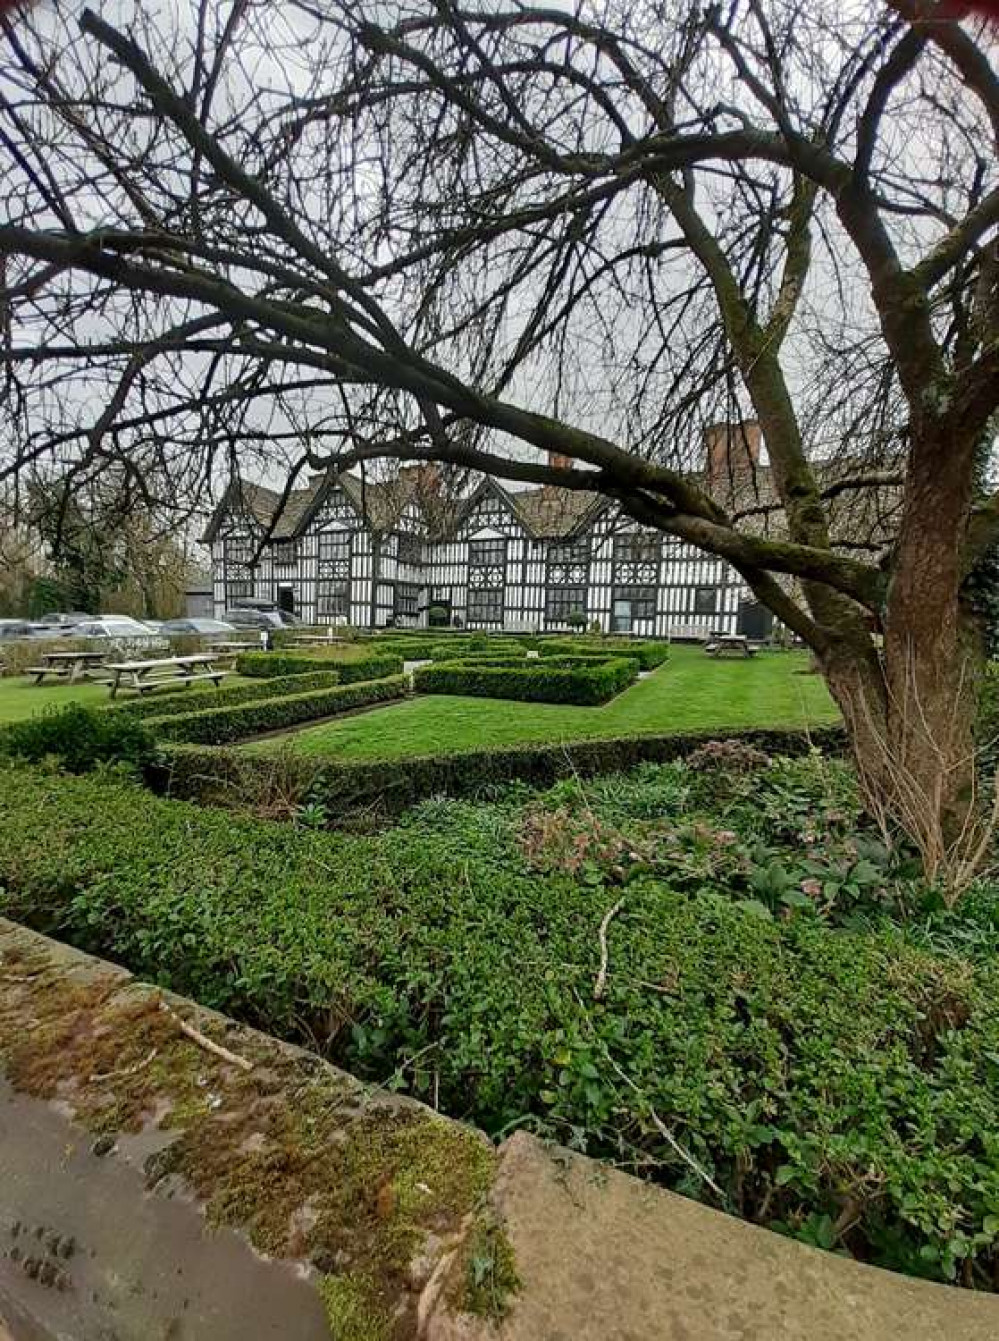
pixel 649 655
pixel 584 685
pixel 270 665
pixel 182 702
pixel 218 777
pixel 80 737
pixel 222 725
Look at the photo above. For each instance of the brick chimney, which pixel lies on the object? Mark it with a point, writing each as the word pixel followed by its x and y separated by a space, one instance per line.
pixel 731 451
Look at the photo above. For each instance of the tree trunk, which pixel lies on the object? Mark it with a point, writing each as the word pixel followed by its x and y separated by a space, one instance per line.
pixel 911 710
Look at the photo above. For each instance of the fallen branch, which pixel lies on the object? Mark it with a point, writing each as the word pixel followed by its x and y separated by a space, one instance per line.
pixel 125 1070
pixel 203 1041
pixel 600 986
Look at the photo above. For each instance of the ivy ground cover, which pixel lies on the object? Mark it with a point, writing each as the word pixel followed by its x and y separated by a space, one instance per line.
pixel 787 1026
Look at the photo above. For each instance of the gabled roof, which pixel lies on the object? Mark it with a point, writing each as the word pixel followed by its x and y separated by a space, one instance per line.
pixel 547 513
pixel 256 502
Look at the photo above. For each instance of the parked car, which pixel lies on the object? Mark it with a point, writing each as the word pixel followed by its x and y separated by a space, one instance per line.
pixel 22 628
pixel 63 619
pixel 260 618
pixel 121 627
pixel 203 628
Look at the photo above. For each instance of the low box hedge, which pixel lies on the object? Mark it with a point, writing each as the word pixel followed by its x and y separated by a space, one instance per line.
pixel 343 787
pixel 222 725
pixel 182 701
pixel 534 682
pixel 270 665
pixel 649 655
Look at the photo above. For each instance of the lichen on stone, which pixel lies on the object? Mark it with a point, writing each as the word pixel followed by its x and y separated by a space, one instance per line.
pixel 371 1191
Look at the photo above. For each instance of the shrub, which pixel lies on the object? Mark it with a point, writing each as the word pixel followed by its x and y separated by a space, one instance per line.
pixel 533 683
pixel 79 737
pixel 344 787
pixel 649 655
pixel 836 1084
pixel 185 701
pixel 728 756
pixel 269 665
pixel 221 725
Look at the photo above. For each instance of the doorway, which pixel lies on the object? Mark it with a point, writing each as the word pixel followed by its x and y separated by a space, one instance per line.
pixel 754 621
pixel 621 617
pixel 286 599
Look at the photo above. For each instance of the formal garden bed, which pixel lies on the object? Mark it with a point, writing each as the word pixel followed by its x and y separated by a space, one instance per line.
pixel 710 972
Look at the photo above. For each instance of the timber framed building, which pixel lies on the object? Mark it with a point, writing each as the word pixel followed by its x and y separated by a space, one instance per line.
pixel 340 551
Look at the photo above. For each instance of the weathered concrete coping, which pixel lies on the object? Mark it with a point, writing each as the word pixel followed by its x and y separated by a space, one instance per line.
pixel 137 1169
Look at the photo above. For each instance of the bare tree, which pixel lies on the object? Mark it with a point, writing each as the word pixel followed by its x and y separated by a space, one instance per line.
pixel 293 234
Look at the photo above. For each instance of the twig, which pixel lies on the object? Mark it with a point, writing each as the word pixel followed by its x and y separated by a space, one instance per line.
pixel 687 1158
pixel 203 1041
pixel 125 1070
pixel 599 987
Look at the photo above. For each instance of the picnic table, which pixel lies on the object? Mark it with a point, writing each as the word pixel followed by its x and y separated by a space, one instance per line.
pixel 251 646
pixel 307 639
pixel 71 666
pixel 719 643
pixel 143 676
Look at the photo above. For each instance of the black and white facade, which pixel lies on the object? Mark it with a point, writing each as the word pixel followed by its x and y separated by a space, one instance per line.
pixel 532 561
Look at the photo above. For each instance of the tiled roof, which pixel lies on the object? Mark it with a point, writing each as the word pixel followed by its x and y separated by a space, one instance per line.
pixel 856 517
pixel 550 513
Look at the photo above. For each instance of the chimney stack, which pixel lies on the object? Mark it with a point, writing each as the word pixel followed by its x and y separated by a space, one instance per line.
pixel 731 452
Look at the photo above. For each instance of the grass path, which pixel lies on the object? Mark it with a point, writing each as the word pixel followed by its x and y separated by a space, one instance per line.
pixel 689 692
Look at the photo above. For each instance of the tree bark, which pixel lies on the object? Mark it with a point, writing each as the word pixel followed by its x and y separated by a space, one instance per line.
pixel 910 710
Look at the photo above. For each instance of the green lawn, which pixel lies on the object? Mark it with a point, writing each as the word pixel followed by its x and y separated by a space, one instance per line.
pixel 20 697
pixel 689 692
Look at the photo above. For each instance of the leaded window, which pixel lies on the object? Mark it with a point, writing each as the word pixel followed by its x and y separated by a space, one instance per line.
pixel 285 552
pixel 643 600
pixel 235 588
pixel 569 563
pixel 487 553
pixel 636 558
pixel 334 555
pixel 333 597
pixel 561 602
pixel 407 598
pixel 238 549
pixel 487 565
pixel 485 606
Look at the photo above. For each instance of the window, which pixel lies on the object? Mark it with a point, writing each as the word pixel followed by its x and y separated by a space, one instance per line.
pixel 333 598
pixel 643 600
pixel 570 551
pixel 706 600
pixel 410 549
pixel 561 602
pixel 285 551
pixel 407 599
pixel 487 553
pixel 334 546
pixel 485 607
pixel 637 548
pixel 238 549
pixel 236 589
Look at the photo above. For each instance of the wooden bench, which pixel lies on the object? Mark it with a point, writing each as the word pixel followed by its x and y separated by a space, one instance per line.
pixel 143 676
